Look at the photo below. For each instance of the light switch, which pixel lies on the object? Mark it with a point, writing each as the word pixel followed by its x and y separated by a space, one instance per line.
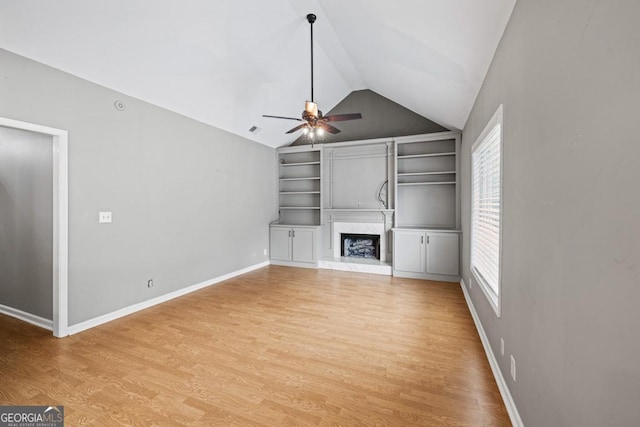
pixel 104 217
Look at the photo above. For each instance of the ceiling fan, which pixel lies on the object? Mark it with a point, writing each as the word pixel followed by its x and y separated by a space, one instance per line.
pixel 314 123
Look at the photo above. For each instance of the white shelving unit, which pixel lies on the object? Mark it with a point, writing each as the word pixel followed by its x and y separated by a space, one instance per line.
pixel 294 237
pixel 299 185
pixel 427 203
pixel 427 187
pixel 423 199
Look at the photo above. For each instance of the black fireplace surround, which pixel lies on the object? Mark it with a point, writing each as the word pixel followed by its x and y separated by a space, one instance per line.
pixel 360 245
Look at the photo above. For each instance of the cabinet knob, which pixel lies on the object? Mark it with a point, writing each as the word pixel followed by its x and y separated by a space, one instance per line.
pixel 422 240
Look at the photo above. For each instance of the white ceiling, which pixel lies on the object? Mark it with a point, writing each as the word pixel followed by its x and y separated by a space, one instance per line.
pixel 227 62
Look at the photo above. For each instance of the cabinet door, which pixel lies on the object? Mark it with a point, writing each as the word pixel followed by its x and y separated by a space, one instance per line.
pixel 443 254
pixel 408 251
pixel 303 245
pixel 280 243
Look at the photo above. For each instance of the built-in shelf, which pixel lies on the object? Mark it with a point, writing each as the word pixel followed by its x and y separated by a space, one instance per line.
pixel 358 210
pixel 300 207
pixel 426 241
pixel 299 185
pixel 416 156
pixel 301 179
pixel 299 164
pixel 426 173
pixel 284 193
pixel 427 183
pixel 427 178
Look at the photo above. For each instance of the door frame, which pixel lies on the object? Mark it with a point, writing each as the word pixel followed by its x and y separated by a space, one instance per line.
pixel 60 140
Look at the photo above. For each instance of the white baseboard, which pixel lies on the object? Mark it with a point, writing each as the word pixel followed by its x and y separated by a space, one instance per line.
pixel 27 317
pixel 96 321
pixel 514 415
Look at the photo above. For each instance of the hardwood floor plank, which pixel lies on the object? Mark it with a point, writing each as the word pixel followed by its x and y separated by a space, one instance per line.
pixel 277 346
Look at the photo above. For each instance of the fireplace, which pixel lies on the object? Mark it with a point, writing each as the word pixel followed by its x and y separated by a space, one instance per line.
pixel 360 245
pixel 359 228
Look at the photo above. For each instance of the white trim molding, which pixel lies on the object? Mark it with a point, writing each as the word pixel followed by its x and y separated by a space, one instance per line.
pixel 38 321
pixel 486 250
pixel 100 320
pixel 60 219
pixel 514 415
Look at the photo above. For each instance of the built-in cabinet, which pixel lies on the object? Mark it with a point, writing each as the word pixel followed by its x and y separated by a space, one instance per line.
pixel 293 238
pixel 294 244
pixel 426 254
pixel 426 236
pixel 414 179
pixel 409 253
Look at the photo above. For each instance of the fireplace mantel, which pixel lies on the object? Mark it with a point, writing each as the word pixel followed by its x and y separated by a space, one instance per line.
pixel 382 217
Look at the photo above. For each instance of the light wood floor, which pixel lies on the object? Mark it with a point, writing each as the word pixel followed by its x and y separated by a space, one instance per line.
pixel 278 346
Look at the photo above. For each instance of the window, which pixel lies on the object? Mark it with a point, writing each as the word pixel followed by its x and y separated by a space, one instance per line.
pixel 486 209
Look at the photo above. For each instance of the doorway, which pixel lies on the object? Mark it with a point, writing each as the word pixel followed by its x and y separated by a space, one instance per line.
pixel 60 219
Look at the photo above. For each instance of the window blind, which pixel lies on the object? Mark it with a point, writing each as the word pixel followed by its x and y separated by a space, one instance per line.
pixel 485 210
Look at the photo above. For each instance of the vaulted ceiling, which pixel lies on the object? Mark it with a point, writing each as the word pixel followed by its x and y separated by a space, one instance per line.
pixel 227 62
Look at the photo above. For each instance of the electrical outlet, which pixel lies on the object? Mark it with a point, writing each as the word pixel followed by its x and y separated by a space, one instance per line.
pixel 104 217
pixel 501 346
pixel 513 368
pixel 150 283
pixel 264 252
pixel 470 282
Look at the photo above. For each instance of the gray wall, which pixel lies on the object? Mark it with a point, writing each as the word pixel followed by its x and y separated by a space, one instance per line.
pixel 190 202
pixel 26 221
pixel 353 176
pixel 381 118
pixel 567 73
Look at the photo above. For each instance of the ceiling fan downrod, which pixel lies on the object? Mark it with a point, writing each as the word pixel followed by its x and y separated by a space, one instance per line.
pixel 311 18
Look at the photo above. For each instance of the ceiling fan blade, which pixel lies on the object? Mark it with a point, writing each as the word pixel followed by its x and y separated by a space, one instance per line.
pixel 297 128
pixel 342 117
pixel 328 128
pixel 282 117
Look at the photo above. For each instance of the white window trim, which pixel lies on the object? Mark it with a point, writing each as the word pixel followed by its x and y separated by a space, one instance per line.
pixel 494 300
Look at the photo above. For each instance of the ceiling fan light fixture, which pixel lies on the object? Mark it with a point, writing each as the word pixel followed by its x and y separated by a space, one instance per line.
pixel 311 108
